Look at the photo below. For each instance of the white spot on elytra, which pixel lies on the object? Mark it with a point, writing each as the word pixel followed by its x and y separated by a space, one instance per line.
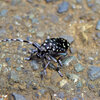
pixel 50 44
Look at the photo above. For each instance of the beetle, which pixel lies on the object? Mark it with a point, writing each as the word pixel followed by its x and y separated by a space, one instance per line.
pixel 52 49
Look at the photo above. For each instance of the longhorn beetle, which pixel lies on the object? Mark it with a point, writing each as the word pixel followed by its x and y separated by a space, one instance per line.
pixel 52 49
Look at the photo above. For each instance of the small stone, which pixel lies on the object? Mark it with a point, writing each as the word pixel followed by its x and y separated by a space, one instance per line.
pixel 28 38
pixel 40 34
pixel 90 3
pixel 68 17
pixel 75 98
pixel 98 2
pixel 63 7
pixel 79 84
pixel 2 32
pixel 3 12
pixel 98 25
pixel 99 93
pixel 14 76
pixel 72 50
pixel 55 78
pixel 79 56
pixel 18 68
pixel 70 39
pixel 42 91
pixel 63 82
pixel 91 86
pixel 10 27
pixel 34 65
pixel 30 1
pixel 7 59
pixel 32 30
pixel 60 95
pixel 18 96
pixel 79 1
pixel 53 88
pixel 79 67
pixel 54 18
pixel 94 72
pixel 50 1
pixel 98 35
pixel 24 49
pixel 15 2
pixel 68 60
pixel 35 20
pixel 17 17
pixel 0 67
pixel 73 77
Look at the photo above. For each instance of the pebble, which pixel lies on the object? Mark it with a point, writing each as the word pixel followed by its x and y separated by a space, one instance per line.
pixel 69 38
pixel 42 91
pixel 40 34
pixel 3 12
pixel 94 72
pixel 17 17
pixel 99 93
pixel 34 65
pixel 35 21
pixel 73 77
pixel 53 88
pixel 98 25
pixel 32 30
pixel 75 98
pixel 30 1
pixel 97 2
pixel 79 56
pixel 7 59
pixel 18 96
pixel 68 60
pixel 68 17
pixel 98 35
pixel 89 3
pixel 91 86
pixel 72 50
pixel 10 27
pixel 63 7
pixel 79 84
pixel 79 1
pixel 2 32
pixel 63 83
pixel 60 95
pixel 15 2
pixel 0 67
pixel 50 0
pixel 14 76
pixel 54 18
pixel 24 49
pixel 18 69
pixel 55 78
pixel 78 67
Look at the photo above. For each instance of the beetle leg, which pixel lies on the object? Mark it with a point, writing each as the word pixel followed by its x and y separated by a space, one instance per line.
pixel 57 69
pixel 59 59
pixel 31 56
pixel 60 62
pixel 46 67
pixel 32 51
pixel 63 54
pixel 44 70
pixel 54 59
pixel 37 45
